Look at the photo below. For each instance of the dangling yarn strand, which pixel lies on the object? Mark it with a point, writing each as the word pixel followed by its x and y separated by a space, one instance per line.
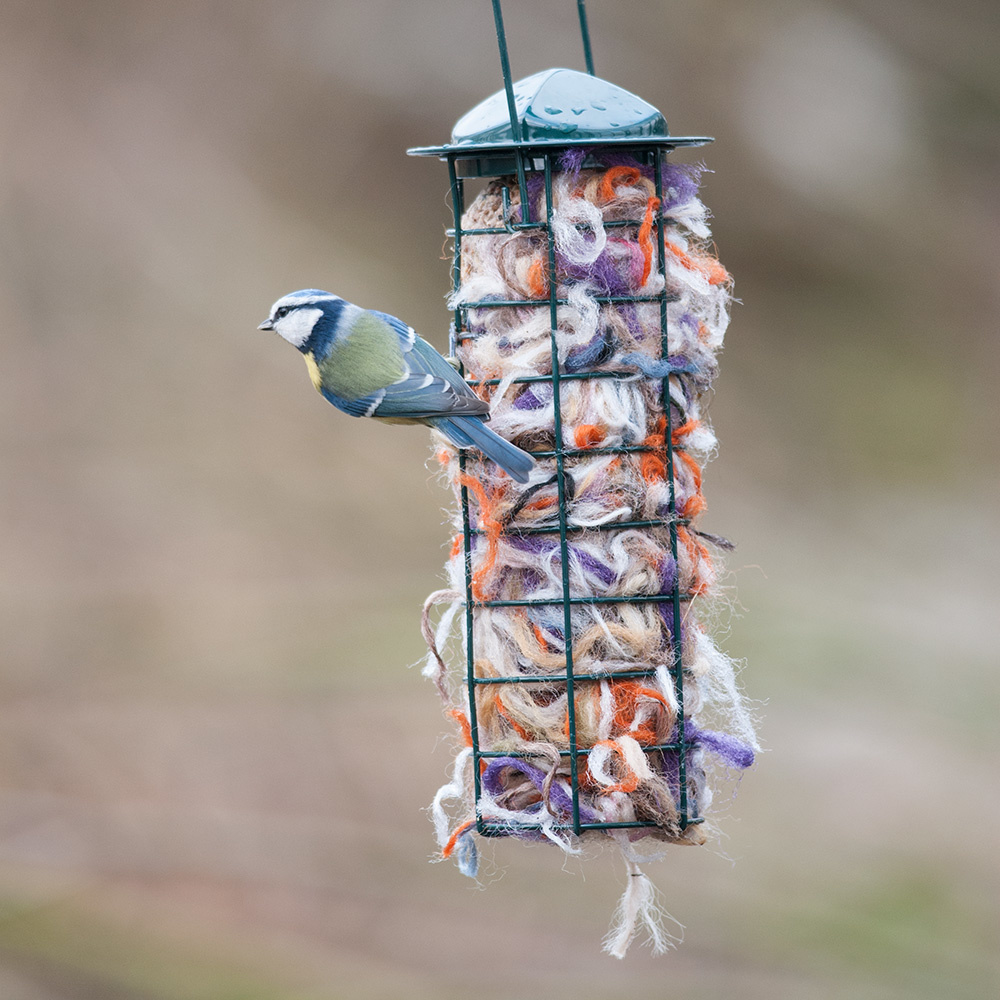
pixel 583 718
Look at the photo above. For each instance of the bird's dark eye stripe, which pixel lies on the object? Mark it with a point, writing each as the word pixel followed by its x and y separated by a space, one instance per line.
pixel 283 311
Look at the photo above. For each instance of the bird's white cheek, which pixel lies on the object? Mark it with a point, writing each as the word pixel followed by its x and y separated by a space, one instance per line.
pixel 298 325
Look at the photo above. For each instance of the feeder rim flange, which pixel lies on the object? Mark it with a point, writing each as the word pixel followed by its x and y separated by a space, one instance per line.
pixel 527 145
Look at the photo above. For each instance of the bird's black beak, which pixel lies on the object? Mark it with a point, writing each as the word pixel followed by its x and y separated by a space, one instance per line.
pixel 266 325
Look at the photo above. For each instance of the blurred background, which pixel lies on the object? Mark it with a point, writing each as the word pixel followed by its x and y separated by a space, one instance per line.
pixel 214 756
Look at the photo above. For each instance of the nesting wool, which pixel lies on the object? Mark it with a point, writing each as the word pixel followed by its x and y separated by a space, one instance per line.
pixel 605 221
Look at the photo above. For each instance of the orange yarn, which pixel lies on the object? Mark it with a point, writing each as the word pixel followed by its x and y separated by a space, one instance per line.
pixel 697 553
pixel 493 530
pixel 652 465
pixel 453 839
pixel 540 636
pixel 588 435
pixel 536 278
pixel 646 238
pixel 684 429
pixel 695 503
pixel 520 730
pixel 541 503
pixel 708 266
pixel 693 506
pixel 630 780
pixel 459 716
pixel 692 465
pixel 626 695
pixel 616 176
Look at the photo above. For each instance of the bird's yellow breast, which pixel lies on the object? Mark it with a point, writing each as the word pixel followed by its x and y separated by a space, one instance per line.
pixel 313 369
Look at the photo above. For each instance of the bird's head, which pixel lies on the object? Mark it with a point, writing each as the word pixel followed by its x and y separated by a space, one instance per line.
pixel 295 317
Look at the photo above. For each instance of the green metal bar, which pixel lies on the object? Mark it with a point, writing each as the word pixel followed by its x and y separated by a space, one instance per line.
pixel 458 207
pixel 504 829
pixel 561 489
pixel 470 654
pixel 581 8
pixel 575 376
pixel 582 752
pixel 561 679
pixel 677 643
pixel 515 532
pixel 613 300
pixel 539 602
pixel 631 449
pixel 620 826
pixel 500 230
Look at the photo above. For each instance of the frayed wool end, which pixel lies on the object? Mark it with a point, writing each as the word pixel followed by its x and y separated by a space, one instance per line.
pixel 639 909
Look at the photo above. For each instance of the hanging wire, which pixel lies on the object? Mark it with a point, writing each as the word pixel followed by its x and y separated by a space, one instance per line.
pixel 508 86
pixel 581 9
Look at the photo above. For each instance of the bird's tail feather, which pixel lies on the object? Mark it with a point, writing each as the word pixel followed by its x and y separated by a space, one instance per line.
pixel 472 432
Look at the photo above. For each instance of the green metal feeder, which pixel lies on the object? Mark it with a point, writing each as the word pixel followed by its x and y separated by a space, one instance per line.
pixel 521 130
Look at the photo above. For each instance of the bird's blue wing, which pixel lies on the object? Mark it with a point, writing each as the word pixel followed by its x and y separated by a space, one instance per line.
pixel 430 388
pixel 421 395
pixel 417 397
pixel 355 407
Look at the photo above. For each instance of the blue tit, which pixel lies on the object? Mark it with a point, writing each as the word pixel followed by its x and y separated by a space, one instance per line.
pixel 370 364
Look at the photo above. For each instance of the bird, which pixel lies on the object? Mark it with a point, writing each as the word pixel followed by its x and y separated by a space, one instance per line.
pixel 371 364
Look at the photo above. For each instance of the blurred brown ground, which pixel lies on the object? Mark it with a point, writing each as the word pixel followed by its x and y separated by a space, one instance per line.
pixel 213 758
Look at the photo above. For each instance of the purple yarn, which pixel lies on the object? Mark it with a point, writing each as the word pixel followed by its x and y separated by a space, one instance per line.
pixel 528 401
pixel 603 274
pixel 534 544
pixel 668 575
pixel 608 156
pixel 689 322
pixel 572 160
pixel 731 750
pixel 684 179
pixel 492 781
pixel 534 184
pixel 538 545
pixel 666 610
pixel 591 565
pixel 631 317
pixel 672 770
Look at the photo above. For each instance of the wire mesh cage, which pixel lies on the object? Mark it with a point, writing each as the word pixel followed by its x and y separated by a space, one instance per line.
pixel 540 145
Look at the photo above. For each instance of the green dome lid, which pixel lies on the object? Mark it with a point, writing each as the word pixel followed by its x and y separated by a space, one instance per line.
pixel 557 107
pixel 560 104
